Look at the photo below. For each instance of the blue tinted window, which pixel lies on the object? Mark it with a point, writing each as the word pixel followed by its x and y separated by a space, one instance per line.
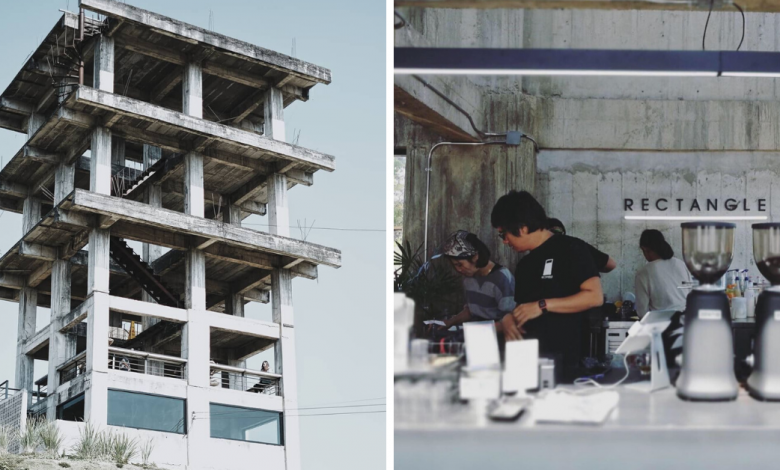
pixel 138 410
pixel 246 424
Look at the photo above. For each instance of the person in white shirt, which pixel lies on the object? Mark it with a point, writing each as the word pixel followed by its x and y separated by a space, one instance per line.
pixel 656 283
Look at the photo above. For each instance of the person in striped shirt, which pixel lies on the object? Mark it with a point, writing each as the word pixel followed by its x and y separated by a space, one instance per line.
pixel 489 288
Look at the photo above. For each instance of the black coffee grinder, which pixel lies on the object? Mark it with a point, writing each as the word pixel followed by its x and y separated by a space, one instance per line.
pixel 764 382
pixel 708 347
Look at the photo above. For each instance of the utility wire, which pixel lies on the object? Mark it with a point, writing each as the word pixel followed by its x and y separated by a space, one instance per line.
pixel 742 12
pixel 707 23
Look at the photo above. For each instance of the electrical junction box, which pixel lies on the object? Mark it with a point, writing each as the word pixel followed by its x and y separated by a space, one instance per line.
pixel 513 137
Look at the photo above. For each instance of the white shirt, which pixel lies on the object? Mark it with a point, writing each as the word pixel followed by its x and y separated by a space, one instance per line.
pixel 656 285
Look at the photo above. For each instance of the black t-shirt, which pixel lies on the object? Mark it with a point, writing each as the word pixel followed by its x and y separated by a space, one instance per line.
pixel 599 257
pixel 553 270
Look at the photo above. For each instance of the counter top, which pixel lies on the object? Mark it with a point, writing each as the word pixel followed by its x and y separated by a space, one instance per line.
pixel 646 431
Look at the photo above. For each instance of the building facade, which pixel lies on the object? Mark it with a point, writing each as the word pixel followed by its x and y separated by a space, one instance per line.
pixel 145 133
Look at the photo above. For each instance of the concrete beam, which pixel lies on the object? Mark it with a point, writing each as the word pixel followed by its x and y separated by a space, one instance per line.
pixel 149 112
pixel 189 33
pixel 748 5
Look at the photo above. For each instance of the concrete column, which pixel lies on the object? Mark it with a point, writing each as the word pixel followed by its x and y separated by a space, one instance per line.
pixel 31 213
pixel 278 212
pixel 98 268
pixel 104 64
pixel 193 184
pixel 195 344
pixel 61 347
pixel 234 305
pixel 192 89
pixel 63 181
pixel 281 298
pixel 153 197
pixel 34 122
pixel 28 303
pixel 195 280
pixel 274 114
pixel 100 161
pixel 96 397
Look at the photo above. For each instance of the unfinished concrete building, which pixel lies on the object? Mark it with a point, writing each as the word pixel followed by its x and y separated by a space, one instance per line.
pixel 142 128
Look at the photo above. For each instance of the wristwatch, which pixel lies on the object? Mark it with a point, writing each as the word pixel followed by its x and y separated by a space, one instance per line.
pixel 543 305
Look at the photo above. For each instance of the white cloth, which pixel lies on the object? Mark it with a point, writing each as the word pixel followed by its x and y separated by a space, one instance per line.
pixel 656 286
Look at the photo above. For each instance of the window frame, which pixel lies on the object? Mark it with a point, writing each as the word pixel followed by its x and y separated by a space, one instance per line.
pixel 281 425
pixel 185 429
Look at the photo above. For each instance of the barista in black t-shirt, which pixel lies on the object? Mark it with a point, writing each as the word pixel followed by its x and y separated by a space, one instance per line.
pixel 604 262
pixel 555 282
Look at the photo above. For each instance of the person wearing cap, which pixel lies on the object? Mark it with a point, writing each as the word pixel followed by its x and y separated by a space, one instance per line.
pixel 556 282
pixel 489 288
pixel 656 283
pixel 604 262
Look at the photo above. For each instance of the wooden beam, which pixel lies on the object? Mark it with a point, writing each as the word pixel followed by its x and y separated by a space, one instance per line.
pixel 748 5
pixel 152 113
pixel 187 32
pixel 184 224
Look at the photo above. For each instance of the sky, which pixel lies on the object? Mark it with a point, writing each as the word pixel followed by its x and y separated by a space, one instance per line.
pixel 339 318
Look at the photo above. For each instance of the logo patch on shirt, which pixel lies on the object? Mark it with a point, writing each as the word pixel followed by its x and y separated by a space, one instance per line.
pixel 547 273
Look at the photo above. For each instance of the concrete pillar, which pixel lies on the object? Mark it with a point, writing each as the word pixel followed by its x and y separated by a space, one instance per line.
pixel 274 114
pixel 234 304
pixel 61 347
pixel 31 213
pixel 281 298
pixel 96 397
pixel 104 64
pixel 195 340
pixel 278 212
pixel 192 89
pixel 34 122
pixel 63 181
pixel 153 197
pixel 100 161
pixel 28 303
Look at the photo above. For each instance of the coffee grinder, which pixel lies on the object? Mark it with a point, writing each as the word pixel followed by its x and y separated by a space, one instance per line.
pixel 764 382
pixel 708 351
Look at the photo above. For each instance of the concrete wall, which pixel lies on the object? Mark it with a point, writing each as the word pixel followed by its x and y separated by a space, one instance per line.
pixel 586 189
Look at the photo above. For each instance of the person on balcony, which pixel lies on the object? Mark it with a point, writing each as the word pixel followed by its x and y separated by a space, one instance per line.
pixel 488 287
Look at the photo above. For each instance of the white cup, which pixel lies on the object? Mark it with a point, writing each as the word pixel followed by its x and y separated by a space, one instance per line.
pixel 739 308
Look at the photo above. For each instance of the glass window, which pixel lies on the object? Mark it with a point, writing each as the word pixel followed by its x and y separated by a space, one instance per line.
pixel 72 410
pixel 246 424
pixel 138 410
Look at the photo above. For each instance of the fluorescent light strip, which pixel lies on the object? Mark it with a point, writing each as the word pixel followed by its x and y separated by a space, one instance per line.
pixel 602 73
pixel 701 217
pixel 751 74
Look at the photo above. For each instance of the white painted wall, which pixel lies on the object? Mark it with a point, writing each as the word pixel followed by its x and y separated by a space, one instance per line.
pixel 585 189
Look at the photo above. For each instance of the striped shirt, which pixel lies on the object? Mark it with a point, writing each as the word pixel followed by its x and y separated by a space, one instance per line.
pixel 490 297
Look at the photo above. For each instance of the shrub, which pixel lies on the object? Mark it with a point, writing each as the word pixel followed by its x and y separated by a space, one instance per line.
pixel 50 438
pixel 146 450
pixel 29 438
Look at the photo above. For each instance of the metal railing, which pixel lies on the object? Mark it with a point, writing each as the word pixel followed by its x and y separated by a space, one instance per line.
pixel 6 391
pixel 141 362
pixel 73 367
pixel 246 380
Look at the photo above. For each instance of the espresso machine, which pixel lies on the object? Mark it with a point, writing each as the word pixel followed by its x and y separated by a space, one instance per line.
pixel 764 381
pixel 707 372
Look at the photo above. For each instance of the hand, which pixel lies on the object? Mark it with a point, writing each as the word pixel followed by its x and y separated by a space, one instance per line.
pixel 525 312
pixel 511 331
pixel 446 326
